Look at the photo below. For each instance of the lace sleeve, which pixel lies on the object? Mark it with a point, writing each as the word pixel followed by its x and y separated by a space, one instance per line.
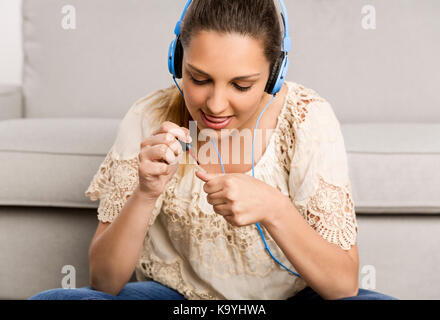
pixel 118 174
pixel 114 182
pixel 319 180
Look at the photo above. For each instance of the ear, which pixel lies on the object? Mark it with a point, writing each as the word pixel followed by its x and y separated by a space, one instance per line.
pixel 207 176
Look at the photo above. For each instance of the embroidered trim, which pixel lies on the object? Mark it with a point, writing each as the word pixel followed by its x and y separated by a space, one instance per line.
pixel 114 182
pixel 330 211
pixel 236 250
pixel 169 274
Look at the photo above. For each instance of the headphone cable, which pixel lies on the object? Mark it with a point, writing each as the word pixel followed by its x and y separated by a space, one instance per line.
pixel 253 175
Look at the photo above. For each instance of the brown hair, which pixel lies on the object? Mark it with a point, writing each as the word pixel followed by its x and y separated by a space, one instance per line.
pixel 258 19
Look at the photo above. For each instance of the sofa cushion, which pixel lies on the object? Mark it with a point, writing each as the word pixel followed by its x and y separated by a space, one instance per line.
pixel 50 162
pixel 119 48
pixel 117 52
pixel 394 168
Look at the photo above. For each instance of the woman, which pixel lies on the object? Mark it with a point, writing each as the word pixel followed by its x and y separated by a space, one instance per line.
pixel 191 226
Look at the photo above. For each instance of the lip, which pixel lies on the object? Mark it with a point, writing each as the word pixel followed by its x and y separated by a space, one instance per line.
pixel 215 122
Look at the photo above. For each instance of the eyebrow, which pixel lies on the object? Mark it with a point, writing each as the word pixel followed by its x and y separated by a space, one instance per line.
pixel 236 78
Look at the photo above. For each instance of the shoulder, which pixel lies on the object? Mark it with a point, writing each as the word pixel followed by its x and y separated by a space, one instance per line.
pixel 307 120
pixel 152 101
pixel 309 116
pixel 138 123
pixel 306 106
pixel 315 144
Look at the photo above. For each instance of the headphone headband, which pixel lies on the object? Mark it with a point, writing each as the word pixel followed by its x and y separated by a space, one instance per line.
pixel 278 72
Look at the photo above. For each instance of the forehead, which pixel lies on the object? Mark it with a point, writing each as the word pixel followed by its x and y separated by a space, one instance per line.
pixel 210 47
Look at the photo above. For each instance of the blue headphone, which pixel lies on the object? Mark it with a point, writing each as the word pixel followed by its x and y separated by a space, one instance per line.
pixel 279 70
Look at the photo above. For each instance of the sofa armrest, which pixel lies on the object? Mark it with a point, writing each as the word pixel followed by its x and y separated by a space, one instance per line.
pixel 11 105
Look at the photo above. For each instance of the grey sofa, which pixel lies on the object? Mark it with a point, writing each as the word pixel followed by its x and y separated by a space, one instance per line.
pixel 79 79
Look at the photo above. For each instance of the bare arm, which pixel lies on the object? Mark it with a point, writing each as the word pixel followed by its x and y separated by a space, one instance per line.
pixel 115 248
pixel 114 253
pixel 331 271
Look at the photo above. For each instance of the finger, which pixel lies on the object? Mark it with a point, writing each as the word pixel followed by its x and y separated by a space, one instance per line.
pixel 164 138
pixel 217 198
pixel 160 152
pixel 155 168
pixel 202 176
pixel 215 202
pixel 213 186
pixel 207 176
pixel 222 209
pixel 180 133
pixel 230 220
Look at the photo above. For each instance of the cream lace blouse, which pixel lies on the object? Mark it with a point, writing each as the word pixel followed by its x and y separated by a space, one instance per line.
pixel 190 248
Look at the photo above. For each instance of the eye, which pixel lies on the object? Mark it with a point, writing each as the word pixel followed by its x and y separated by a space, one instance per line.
pixel 201 83
pixel 242 88
pixel 198 82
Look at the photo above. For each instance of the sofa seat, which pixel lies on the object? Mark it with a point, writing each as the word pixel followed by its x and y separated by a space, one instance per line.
pixel 66 153
pixel 380 153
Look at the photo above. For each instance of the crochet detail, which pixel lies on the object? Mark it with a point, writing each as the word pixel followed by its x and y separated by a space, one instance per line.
pixel 291 117
pixel 330 211
pixel 303 99
pixel 113 184
pixel 236 250
pixel 169 274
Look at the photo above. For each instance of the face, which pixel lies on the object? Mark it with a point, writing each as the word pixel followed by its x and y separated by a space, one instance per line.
pixel 224 76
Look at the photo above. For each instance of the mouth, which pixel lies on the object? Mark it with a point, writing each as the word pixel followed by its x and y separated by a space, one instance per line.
pixel 215 122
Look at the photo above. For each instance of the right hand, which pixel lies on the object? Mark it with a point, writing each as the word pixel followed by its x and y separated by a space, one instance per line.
pixel 159 157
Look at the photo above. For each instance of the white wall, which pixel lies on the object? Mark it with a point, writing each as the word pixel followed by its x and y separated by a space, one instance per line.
pixel 10 42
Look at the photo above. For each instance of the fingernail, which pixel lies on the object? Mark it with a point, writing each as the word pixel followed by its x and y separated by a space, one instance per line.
pixel 169 156
pixel 179 133
pixel 175 146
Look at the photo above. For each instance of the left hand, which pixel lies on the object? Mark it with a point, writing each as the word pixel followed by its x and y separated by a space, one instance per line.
pixel 241 199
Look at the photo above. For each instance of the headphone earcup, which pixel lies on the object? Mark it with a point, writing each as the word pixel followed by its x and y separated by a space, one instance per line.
pixel 273 77
pixel 178 57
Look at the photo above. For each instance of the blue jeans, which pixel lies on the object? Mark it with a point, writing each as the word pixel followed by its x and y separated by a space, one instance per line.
pixel 152 290
pixel 308 294
pixel 141 290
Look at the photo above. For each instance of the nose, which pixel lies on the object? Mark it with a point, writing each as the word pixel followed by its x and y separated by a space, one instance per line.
pixel 217 103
